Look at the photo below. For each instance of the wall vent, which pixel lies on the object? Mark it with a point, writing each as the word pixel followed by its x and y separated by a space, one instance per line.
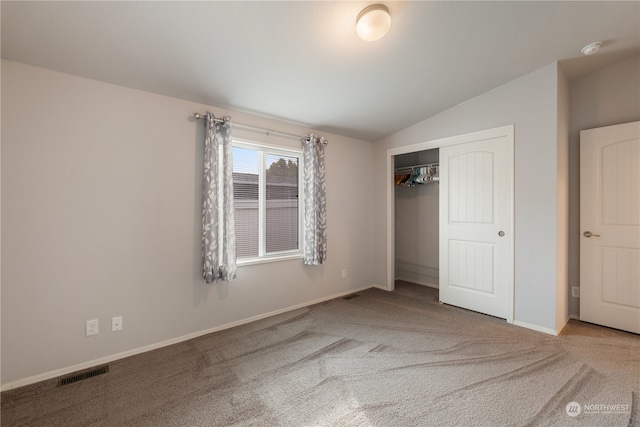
pixel 82 375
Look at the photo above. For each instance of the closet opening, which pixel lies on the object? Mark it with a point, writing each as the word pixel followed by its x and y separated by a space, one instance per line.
pixel 416 212
pixel 455 233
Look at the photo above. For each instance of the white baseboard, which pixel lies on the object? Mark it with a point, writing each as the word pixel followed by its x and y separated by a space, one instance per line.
pixel 564 324
pixel 536 328
pixel 574 316
pixel 103 360
pixel 417 273
pixel 419 282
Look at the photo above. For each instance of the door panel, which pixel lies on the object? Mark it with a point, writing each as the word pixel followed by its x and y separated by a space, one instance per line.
pixel 618 265
pixel 476 224
pixel 471 189
pixel 471 266
pixel 619 174
pixel 610 212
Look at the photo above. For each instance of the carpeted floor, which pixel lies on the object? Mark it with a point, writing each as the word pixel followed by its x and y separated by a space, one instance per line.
pixel 370 359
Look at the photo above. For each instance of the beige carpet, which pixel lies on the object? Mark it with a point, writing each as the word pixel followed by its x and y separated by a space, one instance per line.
pixel 375 359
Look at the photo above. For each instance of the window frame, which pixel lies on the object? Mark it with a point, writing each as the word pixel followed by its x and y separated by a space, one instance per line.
pixel 264 149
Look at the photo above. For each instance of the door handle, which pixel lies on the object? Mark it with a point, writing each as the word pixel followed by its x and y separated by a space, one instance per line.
pixel 501 233
pixel 590 234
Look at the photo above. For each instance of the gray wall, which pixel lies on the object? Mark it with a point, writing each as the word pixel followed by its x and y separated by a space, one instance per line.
pixel 530 102
pixel 606 97
pixel 101 202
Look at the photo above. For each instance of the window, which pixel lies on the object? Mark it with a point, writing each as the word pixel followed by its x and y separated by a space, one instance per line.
pixel 266 184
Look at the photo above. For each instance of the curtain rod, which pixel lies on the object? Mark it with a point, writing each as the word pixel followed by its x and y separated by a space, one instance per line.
pixel 199 116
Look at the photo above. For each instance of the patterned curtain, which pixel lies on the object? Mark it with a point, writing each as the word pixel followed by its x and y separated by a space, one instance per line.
pixel 315 211
pixel 218 225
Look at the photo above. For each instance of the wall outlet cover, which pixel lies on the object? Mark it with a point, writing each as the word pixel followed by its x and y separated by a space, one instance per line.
pixel 91 327
pixel 116 323
pixel 575 292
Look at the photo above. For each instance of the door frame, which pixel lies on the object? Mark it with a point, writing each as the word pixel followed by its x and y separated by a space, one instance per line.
pixel 507 131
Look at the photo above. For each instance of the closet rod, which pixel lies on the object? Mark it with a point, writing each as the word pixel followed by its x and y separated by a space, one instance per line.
pixel 418 166
pixel 261 130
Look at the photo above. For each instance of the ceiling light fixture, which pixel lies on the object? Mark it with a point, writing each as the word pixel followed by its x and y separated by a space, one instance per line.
pixel 592 48
pixel 373 22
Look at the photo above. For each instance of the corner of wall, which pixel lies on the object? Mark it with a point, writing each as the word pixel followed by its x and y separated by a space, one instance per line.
pixel 562 202
pixel 2 63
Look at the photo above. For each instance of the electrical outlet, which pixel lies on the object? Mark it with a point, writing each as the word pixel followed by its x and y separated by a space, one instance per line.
pixel 344 273
pixel 91 327
pixel 116 323
pixel 575 292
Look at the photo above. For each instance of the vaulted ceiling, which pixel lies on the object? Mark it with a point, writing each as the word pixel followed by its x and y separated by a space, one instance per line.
pixel 303 62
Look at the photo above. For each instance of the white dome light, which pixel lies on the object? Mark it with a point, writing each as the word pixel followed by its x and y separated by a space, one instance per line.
pixel 373 22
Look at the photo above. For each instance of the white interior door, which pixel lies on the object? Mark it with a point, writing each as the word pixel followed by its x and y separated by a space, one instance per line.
pixel 610 226
pixel 476 223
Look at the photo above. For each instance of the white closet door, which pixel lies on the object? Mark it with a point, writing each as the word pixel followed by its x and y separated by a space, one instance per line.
pixel 476 223
pixel 610 226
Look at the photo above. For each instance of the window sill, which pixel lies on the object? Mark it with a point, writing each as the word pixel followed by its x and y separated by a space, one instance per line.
pixel 264 260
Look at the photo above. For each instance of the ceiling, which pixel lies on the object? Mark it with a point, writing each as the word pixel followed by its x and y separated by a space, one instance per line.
pixel 302 61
